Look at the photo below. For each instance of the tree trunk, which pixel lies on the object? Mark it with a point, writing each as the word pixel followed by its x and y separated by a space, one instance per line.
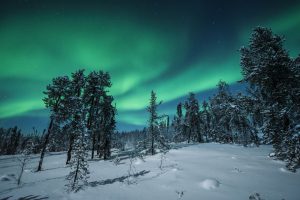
pixel 206 133
pixel 99 144
pixel 152 140
pixel 76 174
pixel 168 124
pixel 69 154
pixel 189 136
pixel 93 144
pixel 21 173
pixel 106 148
pixel 45 145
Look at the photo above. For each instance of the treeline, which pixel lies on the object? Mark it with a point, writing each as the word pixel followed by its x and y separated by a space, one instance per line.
pixel 270 108
pixel 267 112
pixel 13 141
pixel 224 118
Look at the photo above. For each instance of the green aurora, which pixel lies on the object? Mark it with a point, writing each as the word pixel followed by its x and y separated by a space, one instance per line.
pixel 172 53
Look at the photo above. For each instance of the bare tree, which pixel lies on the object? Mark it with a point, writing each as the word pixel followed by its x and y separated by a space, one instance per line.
pixel 23 159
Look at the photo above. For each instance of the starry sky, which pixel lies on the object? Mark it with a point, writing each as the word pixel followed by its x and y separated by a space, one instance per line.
pixel 172 47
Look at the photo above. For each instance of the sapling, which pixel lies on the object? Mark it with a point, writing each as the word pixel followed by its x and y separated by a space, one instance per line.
pixel 23 159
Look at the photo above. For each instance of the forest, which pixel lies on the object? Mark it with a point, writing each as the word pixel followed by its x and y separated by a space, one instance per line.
pixel 82 119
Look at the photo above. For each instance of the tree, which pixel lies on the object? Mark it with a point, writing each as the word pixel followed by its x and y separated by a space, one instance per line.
pixel 54 95
pixel 15 135
pixel 106 127
pixel 267 66
pixel 78 130
pixel 192 119
pixel 231 117
pixel 156 139
pixel 95 93
pixel 23 159
pixel 240 125
pixel 73 108
pixel 205 117
pixel 254 107
pixel 220 122
pixel 164 127
pixel 152 109
pixel 178 124
pixel 79 167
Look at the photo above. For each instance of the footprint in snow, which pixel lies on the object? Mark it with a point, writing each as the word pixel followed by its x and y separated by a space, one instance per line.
pixel 237 170
pixel 209 184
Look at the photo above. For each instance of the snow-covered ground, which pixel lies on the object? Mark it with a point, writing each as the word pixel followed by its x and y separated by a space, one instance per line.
pixel 202 171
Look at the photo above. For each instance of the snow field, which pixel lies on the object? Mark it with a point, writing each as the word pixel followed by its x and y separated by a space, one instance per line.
pixel 202 171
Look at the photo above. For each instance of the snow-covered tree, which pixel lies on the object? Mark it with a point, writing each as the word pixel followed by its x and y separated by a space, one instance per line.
pixel 242 130
pixel 10 140
pixel 254 107
pixel 55 92
pixel 23 159
pixel 72 108
pixel 267 66
pixel 220 118
pixel 156 140
pixel 164 127
pixel 192 119
pixel 178 125
pixel 205 118
pixel 79 167
pixel 106 126
pixel 101 113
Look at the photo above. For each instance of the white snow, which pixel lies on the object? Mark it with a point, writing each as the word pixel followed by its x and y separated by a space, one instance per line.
pixel 5 178
pixel 272 154
pixel 209 184
pixel 201 171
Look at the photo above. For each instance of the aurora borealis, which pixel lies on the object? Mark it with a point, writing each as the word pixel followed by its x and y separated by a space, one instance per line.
pixel 172 47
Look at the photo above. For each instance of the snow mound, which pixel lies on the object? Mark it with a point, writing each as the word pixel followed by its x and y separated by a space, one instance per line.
pixel 138 162
pixel 209 184
pixel 4 178
pixel 283 170
pixel 272 155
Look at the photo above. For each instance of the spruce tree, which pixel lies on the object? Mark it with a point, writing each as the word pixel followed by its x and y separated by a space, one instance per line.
pixel 95 92
pixel 106 127
pixel 77 127
pixel 267 66
pixel 155 139
pixel 177 125
pixel 220 121
pixel 79 167
pixel 71 109
pixel 205 117
pixel 192 119
pixel 152 109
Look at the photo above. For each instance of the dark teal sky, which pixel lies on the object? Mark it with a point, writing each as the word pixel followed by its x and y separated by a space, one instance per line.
pixel 172 47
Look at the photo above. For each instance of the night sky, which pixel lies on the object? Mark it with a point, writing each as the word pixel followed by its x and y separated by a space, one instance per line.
pixel 173 47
